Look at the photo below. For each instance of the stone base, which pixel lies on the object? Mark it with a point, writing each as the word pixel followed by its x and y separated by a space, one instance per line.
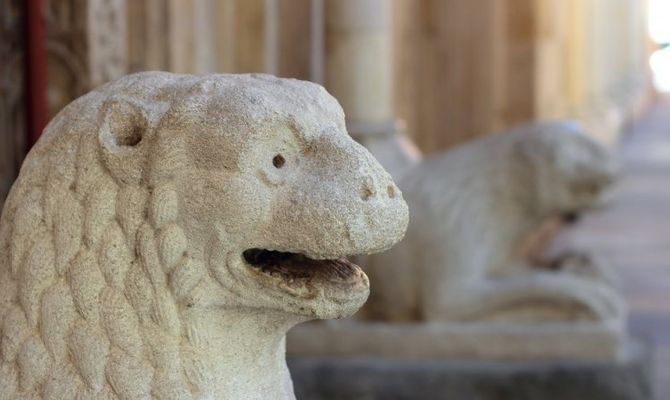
pixel 471 341
pixel 375 378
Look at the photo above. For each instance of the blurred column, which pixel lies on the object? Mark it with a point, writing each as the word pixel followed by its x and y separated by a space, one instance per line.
pixel 12 92
pixel 106 38
pixel 511 40
pixel 316 44
pixel 225 36
pixel 205 36
pixel 551 40
pixel 461 68
pixel 575 57
pixel 182 36
pixel 225 30
pixel 358 68
pixel 245 40
pixel 358 55
pixel 271 39
pixel 147 23
pixel 86 45
pixel 250 36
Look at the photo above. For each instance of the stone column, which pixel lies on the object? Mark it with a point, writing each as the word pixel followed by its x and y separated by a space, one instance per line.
pixel 358 72
pixel 106 36
pixel 86 45
pixel 148 25
pixel 358 51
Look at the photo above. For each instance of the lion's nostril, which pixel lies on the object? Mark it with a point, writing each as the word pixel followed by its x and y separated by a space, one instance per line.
pixel 390 190
pixel 366 192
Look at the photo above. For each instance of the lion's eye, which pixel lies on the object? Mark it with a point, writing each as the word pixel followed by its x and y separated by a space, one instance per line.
pixel 278 161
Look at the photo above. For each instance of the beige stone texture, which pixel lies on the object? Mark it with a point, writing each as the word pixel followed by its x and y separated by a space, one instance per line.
pixel 167 230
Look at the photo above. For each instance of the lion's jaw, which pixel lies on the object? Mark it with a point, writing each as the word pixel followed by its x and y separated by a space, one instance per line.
pixel 236 322
pixel 239 353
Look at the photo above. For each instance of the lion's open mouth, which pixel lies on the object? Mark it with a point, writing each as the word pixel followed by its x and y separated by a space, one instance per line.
pixel 570 217
pixel 298 266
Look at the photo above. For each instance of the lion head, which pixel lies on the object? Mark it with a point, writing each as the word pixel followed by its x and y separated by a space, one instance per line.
pixel 573 172
pixel 158 203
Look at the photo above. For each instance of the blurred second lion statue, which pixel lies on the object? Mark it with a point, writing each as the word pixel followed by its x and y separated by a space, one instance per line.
pixel 471 209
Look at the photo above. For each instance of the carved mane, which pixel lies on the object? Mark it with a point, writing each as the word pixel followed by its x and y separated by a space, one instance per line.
pixel 94 272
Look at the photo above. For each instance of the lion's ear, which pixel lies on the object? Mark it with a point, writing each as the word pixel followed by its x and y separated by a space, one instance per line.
pixel 123 125
pixel 122 133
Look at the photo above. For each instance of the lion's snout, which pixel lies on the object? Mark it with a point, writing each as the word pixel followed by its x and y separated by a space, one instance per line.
pixel 369 190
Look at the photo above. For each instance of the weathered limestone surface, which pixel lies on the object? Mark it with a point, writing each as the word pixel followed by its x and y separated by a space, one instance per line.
pixel 461 283
pixel 167 230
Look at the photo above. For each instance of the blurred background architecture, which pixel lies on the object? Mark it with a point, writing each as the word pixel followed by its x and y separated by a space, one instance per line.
pixel 450 70
pixel 434 73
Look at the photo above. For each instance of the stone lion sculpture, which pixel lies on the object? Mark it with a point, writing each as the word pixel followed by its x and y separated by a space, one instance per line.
pixel 471 210
pixel 167 230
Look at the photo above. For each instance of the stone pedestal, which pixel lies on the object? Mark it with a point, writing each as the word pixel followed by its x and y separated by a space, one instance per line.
pixel 627 378
pixel 469 341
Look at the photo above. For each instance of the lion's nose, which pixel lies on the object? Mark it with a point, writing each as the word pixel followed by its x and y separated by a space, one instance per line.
pixel 381 216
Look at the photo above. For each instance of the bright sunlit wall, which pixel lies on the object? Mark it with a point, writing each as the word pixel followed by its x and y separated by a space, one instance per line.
pixel 659 30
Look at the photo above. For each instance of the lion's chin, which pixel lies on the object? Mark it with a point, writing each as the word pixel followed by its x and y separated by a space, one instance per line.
pixel 328 288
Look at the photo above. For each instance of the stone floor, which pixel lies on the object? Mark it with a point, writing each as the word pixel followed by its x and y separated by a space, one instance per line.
pixel 634 234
